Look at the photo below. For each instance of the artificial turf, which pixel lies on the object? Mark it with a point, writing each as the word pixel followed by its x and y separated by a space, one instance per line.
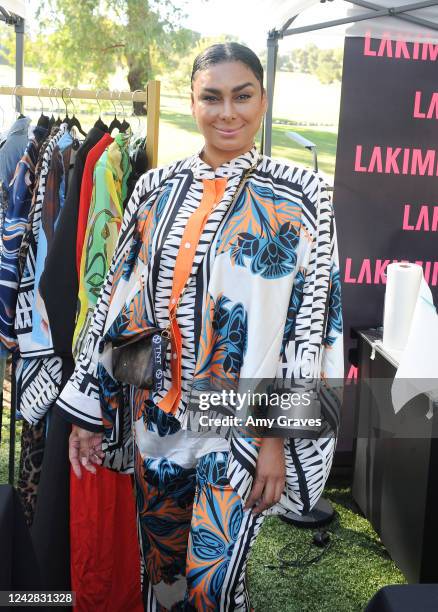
pixel 352 569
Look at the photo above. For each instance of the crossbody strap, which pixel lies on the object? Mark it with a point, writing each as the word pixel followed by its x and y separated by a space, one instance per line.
pixel 212 196
pixel 181 279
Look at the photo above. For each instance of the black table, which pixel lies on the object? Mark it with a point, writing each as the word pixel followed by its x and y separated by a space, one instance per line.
pixel 405 598
pixel 395 479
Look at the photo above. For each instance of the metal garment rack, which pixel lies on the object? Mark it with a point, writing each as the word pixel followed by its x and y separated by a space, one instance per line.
pixel 18 22
pixel 151 98
pixel 12 19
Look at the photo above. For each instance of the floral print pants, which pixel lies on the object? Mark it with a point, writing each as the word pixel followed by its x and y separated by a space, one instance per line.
pixel 195 536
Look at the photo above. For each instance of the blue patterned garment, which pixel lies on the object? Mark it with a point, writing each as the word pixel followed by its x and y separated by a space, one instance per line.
pixel 33 334
pixel 40 382
pixel 53 202
pixel 21 190
pixel 11 149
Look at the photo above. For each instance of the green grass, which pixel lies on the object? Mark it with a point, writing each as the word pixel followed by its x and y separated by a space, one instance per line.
pixel 354 567
pixel 4 446
pixel 179 137
pixel 325 142
pixel 297 99
pixel 5 430
pixel 351 571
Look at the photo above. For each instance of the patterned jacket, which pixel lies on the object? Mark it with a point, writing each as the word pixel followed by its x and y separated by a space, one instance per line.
pixel 262 302
pixel 22 186
pixel 104 220
pixel 38 374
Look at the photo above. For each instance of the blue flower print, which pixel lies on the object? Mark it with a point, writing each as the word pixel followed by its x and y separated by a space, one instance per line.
pixel 294 305
pixel 271 257
pixel 335 308
pixel 230 324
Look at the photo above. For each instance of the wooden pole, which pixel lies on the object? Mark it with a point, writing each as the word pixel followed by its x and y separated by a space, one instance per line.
pixel 151 97
pixel 70 92
pixel 153 122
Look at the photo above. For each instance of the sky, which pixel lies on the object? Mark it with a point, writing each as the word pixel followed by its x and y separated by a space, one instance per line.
pixel 251 20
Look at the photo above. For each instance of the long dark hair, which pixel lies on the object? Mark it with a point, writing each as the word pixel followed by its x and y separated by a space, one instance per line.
pixel 228 52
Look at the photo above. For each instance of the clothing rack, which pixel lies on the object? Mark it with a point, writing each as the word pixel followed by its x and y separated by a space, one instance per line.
pixel 151 98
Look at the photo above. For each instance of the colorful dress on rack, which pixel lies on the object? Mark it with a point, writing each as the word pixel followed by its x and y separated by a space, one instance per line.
pixel 86 195
pixel 59 280
pixel 104 221
pixel 103 539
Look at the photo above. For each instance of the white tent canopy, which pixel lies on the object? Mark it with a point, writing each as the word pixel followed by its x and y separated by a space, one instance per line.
pixel 281 11
pixel 14 6
pixel 425 12
pixel 407 20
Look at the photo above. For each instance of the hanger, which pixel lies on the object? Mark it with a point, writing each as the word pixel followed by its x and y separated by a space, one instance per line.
pixel 58 109
pixel 125 124
pixel 115 123
pixel 44 120
pixel 99 123
pixel 20 116
pixel 138 116
pixel 66 119
pixel 74 121
pixel 52 117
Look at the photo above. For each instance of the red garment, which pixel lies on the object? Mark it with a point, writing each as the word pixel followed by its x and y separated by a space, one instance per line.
pixel 86 193
pixel 105 556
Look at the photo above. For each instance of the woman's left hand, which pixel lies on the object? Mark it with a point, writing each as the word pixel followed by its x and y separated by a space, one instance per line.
pixel 270 476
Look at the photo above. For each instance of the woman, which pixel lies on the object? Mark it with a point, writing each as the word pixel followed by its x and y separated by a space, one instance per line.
pixel 235 254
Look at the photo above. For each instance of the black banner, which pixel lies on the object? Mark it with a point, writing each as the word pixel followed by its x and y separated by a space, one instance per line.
pixel 386 180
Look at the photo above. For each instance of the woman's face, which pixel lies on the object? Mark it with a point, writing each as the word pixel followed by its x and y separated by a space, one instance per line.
pixel 228 105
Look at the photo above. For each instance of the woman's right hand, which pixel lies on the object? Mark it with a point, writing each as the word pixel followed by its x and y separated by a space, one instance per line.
pixel 85 448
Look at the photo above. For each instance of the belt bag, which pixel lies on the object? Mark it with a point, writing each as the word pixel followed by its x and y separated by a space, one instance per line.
pixel 140 361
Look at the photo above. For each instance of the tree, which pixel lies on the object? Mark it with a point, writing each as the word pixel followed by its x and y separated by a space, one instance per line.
pixel 284 62
pixel 305 59
pixel 329 67
pixel 7 46
pixel 180 76
pixel 326 64
pixel 88 40
pixel 33 48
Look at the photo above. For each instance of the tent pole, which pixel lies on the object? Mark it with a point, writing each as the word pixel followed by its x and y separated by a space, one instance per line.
pixel 425 23
pixel 270 83
pixel 19 60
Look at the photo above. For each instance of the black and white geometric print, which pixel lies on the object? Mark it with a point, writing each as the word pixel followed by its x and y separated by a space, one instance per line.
pixel 308 461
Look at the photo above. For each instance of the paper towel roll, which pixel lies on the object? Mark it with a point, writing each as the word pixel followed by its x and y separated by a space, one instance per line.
pixel 418 367
pixel 402 286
